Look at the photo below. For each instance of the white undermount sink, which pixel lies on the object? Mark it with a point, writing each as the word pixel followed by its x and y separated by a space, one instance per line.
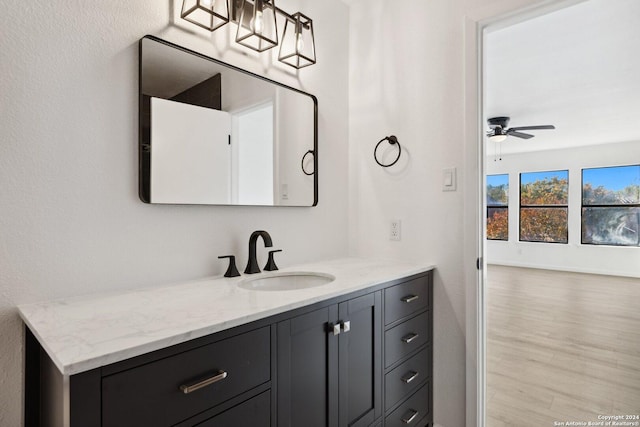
pixel 286 281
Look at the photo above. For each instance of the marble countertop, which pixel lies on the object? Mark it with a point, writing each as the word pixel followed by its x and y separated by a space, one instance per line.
pixel 87 332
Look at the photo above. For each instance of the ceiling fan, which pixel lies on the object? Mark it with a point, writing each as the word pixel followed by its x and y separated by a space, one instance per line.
pixel 498 130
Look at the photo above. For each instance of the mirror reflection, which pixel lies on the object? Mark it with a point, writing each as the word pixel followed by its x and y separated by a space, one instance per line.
pixel 214 134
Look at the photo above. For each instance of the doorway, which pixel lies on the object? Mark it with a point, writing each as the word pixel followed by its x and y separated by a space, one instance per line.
pixel 558 305
pixel 252 155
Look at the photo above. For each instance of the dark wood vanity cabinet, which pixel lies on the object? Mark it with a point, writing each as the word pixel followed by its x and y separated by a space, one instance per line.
pixel 360 360
pixel 329 365
pixel 360 384
pixel 408 353
pixel 307 369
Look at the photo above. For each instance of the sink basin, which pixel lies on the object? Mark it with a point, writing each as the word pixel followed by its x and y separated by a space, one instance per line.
pixel 289 281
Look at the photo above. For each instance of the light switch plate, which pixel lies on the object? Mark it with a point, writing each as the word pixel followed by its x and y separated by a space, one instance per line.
pixel 449 179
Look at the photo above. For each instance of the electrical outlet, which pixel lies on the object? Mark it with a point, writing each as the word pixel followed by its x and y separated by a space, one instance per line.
pixel 394 231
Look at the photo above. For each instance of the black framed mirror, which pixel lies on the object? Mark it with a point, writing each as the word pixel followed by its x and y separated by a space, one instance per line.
pixel 214 134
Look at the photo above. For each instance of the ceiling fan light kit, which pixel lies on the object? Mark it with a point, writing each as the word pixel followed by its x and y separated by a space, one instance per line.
pixel 498 130
pixel 498 138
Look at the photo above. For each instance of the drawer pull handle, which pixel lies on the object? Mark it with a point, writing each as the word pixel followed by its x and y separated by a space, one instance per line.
pixel 410 377
pixel 408 338
pixel 186 389
pixel 408 420
pixel 410 298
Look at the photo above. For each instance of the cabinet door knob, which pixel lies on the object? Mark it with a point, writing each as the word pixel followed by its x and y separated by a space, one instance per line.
pixel 186 389
pixel 410 298
pixel 409 419
pixel 410 337
pixel 346 326
pixel 334 328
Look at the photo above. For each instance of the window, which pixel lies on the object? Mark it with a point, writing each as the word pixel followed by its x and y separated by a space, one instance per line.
pixel 611 206
pixel 544 206
pixel 498 207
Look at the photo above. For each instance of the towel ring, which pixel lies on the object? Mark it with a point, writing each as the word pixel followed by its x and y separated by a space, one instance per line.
pixel 392 140
pixel 302 163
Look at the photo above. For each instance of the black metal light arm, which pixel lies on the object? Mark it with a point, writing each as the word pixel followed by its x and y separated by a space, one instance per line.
pixel 235 6
pixel 290 17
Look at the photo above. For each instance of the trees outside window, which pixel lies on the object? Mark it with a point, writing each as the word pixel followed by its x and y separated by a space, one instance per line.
pixel 611 206
pixel 544 207
pixel 498 207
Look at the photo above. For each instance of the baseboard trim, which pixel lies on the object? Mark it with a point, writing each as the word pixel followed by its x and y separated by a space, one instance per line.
pixel 563 268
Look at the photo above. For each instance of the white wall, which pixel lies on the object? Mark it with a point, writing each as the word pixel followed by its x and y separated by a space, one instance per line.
pixel 413 74
pixel 406 79
pixel 623 261
pixel 71 220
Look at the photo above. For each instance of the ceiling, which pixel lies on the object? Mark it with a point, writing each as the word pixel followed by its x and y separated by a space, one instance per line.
pixel 577 68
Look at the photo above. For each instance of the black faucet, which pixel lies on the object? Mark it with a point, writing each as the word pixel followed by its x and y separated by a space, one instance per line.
pixel 252 264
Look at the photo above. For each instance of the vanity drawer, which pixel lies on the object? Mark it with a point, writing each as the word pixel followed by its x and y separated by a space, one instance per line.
pixel 154 394
pixel 412 412
pixel 406 298
pixel 407 377
pixel 408 336
pixel 255 412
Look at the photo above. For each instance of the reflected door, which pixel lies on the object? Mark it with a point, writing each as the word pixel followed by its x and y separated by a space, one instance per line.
pixel 190 155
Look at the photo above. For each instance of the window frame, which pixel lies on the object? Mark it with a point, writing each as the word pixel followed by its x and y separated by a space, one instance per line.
pixel 546 206
pixel 502 207
pixel 583 206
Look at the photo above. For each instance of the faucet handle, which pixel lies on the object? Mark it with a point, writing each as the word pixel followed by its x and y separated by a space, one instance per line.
pixel 232 271
pixel 271 264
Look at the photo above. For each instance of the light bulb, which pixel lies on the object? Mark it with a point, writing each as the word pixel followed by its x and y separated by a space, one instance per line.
pixel 209 4
pixel 257 22
pixel 299 43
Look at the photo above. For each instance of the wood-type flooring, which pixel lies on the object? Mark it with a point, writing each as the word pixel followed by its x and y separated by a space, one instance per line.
pixel 561 347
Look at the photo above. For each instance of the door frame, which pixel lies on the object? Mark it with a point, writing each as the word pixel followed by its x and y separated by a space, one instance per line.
pixel 478 21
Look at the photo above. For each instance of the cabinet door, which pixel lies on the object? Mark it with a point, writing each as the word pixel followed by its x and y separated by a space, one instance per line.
pixel 360 353
pixel 308 370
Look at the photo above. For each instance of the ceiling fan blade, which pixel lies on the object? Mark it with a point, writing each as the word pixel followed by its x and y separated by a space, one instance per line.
pixel 519 134
pixel 533 127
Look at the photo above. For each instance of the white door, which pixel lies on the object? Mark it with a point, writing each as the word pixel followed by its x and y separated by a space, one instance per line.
pixel 190 154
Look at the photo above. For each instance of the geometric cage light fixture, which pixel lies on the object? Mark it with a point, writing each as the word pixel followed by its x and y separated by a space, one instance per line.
pixel 298 48
pixel 257 27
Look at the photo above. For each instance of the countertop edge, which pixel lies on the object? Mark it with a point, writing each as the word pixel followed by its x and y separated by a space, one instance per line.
pixel 76 367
